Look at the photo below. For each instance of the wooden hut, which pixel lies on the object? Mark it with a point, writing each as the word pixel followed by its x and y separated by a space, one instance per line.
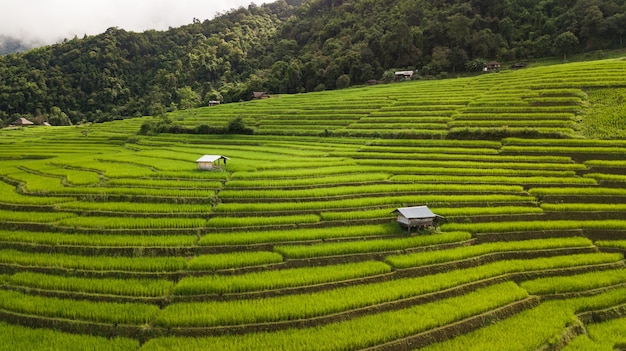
pixel 415 217
pixel 402 75
pixel 23 122
pixel 208 162
pixel 493 66
pixel 259 95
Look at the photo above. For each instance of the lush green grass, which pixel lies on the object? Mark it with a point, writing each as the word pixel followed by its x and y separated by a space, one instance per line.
pixel 607 335
pixel 106 312
pixel 358 296
pixel 34 217
pixel 126 287
pixel 528 330
pixel 584 207
pixel 607 177
pixel 396 201
pixel 129 191
pixel 494 179
pixel 359 332
pixel 456 211
pixel 607 163
pixel 605 117
pixel 100 218
pixel 221 222
pixel 499 227
pixel 19 338
pixel 347 248
pixel 98 263
pixel 278 279
pixel 367 189
pixel 439 256
pixel 70 175
pixel 158 183
pixel 556 148
pixel 135 207
pixel 301 234
pixel 107 240
pixel 233 260
pixel 578 191
pixel 341 179
pixel 579 282
pixel 10 196
pixel 621 244
pixel 533 328
pixel 135 223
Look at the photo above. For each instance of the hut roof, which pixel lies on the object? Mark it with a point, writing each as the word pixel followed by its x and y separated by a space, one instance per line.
pixel 260 95
pixel 404 73
pixel 211 158
pixel 416 212
pixel 23 122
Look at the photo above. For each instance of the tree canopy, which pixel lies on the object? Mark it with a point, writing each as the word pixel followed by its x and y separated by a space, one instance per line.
pixel 288 47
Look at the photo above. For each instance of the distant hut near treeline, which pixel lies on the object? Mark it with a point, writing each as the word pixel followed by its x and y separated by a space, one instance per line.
pixel 416 217
pixel 258 95
pixel 22 122
pixel 404 75
pixel 493 66
pixel 210 162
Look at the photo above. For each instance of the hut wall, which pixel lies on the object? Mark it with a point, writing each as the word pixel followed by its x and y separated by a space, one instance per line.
pixel 206 165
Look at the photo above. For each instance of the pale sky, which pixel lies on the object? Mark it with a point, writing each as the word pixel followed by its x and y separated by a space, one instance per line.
pixel 50 21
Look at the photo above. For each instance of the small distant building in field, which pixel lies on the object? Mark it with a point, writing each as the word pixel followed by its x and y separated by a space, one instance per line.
pixel 493 66
pixel 415 217
pixel 214 102
pixel 22 122
pixel 519 65
pixel 258 95
pixel 402 75
pixel 208 162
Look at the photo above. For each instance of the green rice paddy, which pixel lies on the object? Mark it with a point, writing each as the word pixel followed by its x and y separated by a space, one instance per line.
pixel 116 241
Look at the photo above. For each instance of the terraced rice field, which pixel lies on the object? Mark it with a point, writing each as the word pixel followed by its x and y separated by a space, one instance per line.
pixel 115 241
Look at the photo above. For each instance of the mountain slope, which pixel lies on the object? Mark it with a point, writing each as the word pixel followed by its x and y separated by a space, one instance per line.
pixel 290 47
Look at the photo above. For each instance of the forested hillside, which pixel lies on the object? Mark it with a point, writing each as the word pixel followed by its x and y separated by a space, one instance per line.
pixel 288 47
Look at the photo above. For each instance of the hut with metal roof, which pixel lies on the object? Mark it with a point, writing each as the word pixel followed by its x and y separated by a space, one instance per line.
pixel 416 217
pixel 209 162
pixel 403 75
pixel 493 66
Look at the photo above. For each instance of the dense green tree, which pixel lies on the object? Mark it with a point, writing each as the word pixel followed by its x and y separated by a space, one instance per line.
pixel 475 65
pixel 484 43
pixel 592 26
pixel 58 117
pixel 343 81
pixel 565 42
pixel 441 58
pixel 459 29
pixel 187 98
pixel 617 25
